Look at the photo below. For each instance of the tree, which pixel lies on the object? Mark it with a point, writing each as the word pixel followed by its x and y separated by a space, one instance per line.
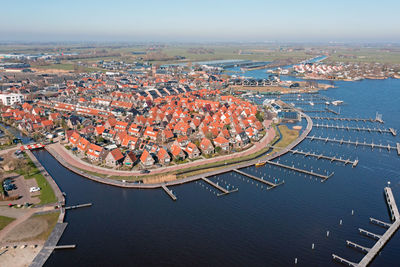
pixel 260 116
pixel 218 149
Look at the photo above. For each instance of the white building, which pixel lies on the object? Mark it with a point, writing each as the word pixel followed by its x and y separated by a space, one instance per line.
pixel 10 99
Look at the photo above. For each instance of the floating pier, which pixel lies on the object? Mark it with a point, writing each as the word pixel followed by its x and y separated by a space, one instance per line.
pixel 220 188
pixel 323 177
pixel 369 234
pixel 78 206
pixel 382 240
pixel 347 119
pixel 354 245
pixel 321 156
pixel 332 111
pixel 349 128
pixel 169 192
pixel 344 261
pixel 380 223
pixel 270 184
pixel 65 247
pixel 356 143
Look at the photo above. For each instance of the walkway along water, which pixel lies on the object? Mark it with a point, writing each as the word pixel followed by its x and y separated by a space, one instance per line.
pixel 224 169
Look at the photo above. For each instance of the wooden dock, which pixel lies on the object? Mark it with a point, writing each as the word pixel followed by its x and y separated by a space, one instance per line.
pixel 270 184
pixel 220 188
pixel 359 129
pixel 169 192
pixel 347 119
pixel 321 156
pixel 356 143
pixel 323 177
pixel 382 239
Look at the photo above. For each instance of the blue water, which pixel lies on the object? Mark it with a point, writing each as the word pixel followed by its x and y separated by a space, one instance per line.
pixel 255 226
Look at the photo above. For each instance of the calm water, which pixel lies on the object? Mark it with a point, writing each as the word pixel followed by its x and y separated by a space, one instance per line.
pixel 253 227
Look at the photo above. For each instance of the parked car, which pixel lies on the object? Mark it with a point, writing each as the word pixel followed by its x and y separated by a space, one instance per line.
pixel 144 171
pixel 34 189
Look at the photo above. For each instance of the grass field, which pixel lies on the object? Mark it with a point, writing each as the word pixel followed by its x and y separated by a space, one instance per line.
pixel 46 192
pixel 288 136
pixel 4 221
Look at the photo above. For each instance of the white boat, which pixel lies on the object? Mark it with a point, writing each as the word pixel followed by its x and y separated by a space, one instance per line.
pixel 337 102
pixel 311 103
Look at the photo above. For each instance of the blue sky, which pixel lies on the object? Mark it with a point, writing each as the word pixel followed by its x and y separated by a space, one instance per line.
pixel 200 20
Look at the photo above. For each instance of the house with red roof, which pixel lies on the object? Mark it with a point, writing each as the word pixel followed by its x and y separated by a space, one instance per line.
pixel 206 146
pixel 163 157
pixel 120 126
pixel 114 158
pixel 135 130
pixel 167 135
pixel 95 153
pixel 73 140
pixel 146 159
pixel 47 124
pixel 82 145
pixel 192 151
pixel 151 133
pixel 130 142
pixel 221 142
pixel 177 152
pixel 130 159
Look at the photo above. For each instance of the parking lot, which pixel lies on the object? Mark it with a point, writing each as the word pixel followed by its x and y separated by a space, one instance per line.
pixel 22 190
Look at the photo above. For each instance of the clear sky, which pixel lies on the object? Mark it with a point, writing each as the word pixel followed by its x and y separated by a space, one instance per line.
pixel 200 20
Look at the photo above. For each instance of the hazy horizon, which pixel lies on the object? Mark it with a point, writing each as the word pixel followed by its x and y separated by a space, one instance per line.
pixel 205 21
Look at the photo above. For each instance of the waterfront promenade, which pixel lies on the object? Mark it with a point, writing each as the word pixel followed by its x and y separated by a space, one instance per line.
pixel 76 165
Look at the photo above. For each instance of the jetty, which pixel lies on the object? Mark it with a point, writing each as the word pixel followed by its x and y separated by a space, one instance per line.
pixel 356 143
pixel 220 188
pixel 321 156
pixel 270 184
pixel 369 234
pixel 169 192
pixel 78 206
pixel 312 173
pixel 359 129
pixel 382 239
pixel 49 245
pixel 379 222
pixel 332 111
pixel 347 119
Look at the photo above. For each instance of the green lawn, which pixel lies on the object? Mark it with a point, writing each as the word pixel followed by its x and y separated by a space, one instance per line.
pixel 46 192
pixel 288 136
pixel 4 221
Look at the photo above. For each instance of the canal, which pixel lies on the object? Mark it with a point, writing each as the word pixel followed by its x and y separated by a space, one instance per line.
pixel 253 226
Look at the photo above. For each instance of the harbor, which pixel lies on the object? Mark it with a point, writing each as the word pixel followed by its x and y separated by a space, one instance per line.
pixel 200 215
